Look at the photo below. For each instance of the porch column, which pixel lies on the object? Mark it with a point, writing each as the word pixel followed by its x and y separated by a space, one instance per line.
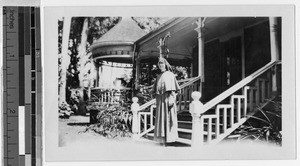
pixel 149 73
pixel 137 72
pixel 97 74
pixel 274 44
pixel 199 29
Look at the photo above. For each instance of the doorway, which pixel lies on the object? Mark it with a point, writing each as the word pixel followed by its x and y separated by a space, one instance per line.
pixel 232 51
pixel 223 66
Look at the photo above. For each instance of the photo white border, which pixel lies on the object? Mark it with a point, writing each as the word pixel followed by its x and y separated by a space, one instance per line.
pixel 55 153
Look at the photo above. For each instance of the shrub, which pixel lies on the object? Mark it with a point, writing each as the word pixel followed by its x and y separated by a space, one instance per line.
pixel 76 101
pixel 112 120
pixel 64 110
pixel 265 125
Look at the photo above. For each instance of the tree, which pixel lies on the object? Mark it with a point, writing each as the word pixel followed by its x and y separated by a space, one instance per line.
pixel 63 57
pixel 148 24
pixel 75 36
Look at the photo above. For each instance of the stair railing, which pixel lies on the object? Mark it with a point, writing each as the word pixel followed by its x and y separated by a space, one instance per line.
pixel 143 116
pixel 184 96
pixel 239 85
pixel 212 128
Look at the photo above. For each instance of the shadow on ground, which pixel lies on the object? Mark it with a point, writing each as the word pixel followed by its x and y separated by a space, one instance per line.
pixel 78 124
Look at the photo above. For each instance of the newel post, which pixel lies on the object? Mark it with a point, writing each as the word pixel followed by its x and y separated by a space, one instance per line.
pixel 196 109
pixel 135 123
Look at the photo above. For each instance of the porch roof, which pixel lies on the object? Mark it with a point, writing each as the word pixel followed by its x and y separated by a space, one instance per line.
pixel 117 43
pixel 125 32
pixel 184 38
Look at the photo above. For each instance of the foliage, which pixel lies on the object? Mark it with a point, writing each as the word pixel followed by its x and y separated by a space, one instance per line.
pixel 263 126
pixel 74 100
pixel 97 27
pixel 180 72
pixel 113 120
pixel 148 77
pixel 64 110
pixel 83 65
pixel 148 24
pixel 144 94
pixel 60 32
pixel 78 100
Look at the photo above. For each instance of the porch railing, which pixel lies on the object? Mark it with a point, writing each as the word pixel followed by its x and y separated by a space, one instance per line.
pixel 109 95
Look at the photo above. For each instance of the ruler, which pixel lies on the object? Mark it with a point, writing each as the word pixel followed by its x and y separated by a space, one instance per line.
pixel 22 109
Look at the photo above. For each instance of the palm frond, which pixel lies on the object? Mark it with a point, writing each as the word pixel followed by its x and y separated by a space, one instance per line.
pixel 262 111
pixel 254 117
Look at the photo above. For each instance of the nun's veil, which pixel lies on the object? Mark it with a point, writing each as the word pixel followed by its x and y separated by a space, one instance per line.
pixel 168 66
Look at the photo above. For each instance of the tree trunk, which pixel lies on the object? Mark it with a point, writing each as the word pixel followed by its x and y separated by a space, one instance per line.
pixel 83 57
pixel 65 58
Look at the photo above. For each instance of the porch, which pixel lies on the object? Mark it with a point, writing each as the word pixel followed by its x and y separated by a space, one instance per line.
pixel 233 63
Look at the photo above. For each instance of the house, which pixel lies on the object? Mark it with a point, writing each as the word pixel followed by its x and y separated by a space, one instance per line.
pixel 234 62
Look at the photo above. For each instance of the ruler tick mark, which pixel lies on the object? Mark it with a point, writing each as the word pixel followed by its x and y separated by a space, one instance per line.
pixel 9 158
pixel 12 144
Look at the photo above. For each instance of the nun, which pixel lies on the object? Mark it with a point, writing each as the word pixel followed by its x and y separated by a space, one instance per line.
pixel 165 89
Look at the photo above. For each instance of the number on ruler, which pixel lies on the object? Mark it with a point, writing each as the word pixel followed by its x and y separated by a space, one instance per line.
pixel 12 111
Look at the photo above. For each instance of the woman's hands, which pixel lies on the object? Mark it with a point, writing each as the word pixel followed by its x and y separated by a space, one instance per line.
pixel 171 98
pixel 173 93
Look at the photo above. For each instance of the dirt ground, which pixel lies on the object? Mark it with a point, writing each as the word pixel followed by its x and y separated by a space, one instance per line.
pixel 72 132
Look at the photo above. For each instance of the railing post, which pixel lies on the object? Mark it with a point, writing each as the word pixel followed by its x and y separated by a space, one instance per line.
pixel 135 123
pixel 196 109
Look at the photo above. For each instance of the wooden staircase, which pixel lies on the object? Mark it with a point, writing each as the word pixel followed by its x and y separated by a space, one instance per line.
pixel 219 118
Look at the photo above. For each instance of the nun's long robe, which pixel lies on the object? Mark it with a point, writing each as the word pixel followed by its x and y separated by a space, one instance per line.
pixel 166 117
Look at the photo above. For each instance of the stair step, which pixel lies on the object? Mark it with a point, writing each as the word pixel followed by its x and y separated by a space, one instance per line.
pixel 185 141
pixel 188 123
pixel 189 131
pixel 185 124
pixel 149 136
pixel 184 117
pixel 179 140
pixel 185 130
pixel 184 135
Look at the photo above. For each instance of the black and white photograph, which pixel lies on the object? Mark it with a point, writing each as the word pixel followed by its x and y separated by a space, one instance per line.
pixel 147 83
